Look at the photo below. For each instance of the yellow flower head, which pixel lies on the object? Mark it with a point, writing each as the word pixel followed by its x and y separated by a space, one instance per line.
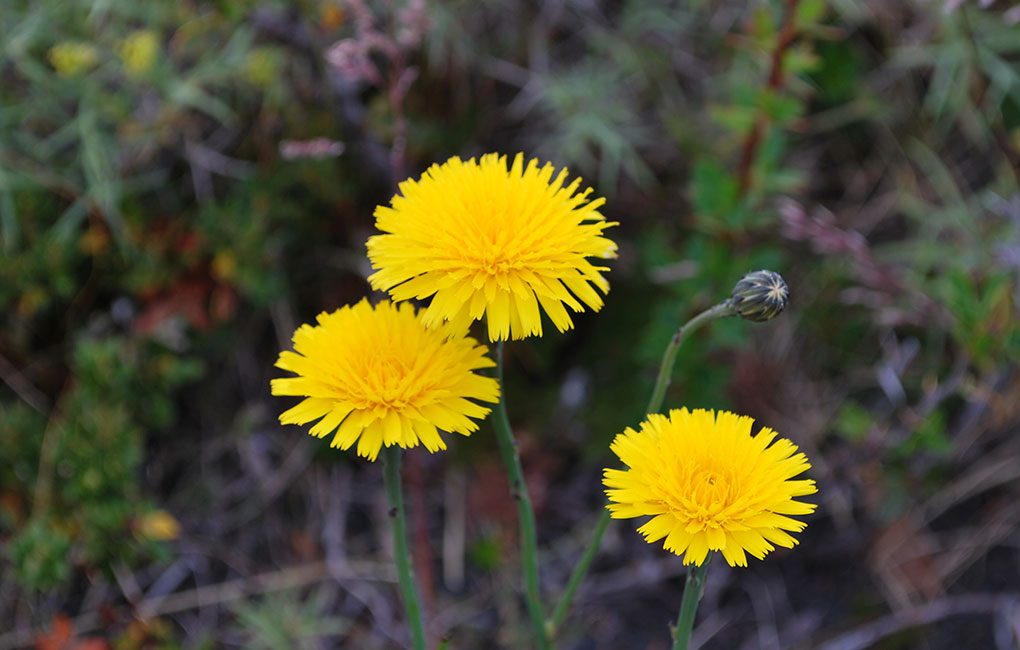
pixel 384 379
pixel 484 240
pixel 73 58
pixel 709 485
pixel 138 51
pixel 262 67
pixel 159 526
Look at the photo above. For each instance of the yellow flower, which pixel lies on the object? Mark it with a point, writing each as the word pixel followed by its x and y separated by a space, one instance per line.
pixel 138 51
pixel 224 266
pixel 383 378
pixel 482 240
pixel 159 525
pixel 709 485
pixel 262 67
pixel 72 58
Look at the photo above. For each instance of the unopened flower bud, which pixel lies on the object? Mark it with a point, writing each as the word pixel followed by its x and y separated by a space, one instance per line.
pixel 760 296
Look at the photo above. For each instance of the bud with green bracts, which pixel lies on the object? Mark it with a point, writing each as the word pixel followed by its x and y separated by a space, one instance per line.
pixel 760 296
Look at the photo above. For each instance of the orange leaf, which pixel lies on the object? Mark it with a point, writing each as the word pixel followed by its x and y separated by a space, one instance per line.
pixel 61 631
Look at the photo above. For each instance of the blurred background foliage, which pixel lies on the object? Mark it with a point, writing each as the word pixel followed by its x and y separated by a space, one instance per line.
pixel 181 183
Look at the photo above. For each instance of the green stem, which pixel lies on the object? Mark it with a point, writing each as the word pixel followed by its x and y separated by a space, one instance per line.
pixel 577 576
pixel 662 382
pixel 401 552
pixel 525 513
pixel 693 590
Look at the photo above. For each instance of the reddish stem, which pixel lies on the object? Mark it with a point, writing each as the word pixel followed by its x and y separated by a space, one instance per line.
pixel 749 149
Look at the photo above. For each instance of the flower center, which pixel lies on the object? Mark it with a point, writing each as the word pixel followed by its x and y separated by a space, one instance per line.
pixel 499 267
pixel 777 292
pixel 495 262
pixel 385 383
pixel 705 494
pixel 710 488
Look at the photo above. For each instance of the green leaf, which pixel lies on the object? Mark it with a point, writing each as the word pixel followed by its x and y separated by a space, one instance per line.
pixel 738 119
pixel 838 73
pixel 779 107
pixel 852 422
pixel 930 436
pixel 39 553
pixel 763 25
pixel 102 183
pixel 801 59
pixel 188 93
pixel 714 190
pixel 808 13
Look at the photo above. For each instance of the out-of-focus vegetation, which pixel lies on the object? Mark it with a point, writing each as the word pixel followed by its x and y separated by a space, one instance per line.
pixel 183 182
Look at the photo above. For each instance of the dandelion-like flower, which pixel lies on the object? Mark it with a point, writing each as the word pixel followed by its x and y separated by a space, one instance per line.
pixel 709 485
pixel 480 239
pixel 138 51
pixel 378 376
pixel 73 58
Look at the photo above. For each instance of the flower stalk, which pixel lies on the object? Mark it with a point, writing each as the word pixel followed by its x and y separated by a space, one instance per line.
pixel 662 381
pixel 401 552
pixel 694 588
pixel 525 512
pixel 665 376
pixel 759 296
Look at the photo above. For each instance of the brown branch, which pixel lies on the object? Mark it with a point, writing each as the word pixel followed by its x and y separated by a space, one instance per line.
pixel 868 635
pixel 749 149
pixel 216 594
pixel 23 388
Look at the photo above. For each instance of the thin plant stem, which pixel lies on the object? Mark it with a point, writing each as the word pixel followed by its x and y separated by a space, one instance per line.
pixel 662 382
pixel 559 614
pixel 752 142
pixel 693 589
pixel 525 512
pixel 48 456
pixel 401 552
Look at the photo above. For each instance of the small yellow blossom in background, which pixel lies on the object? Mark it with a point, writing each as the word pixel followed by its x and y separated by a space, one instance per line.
pixel 262 67
pixel 72 58
pixel 482 240
pixel 224 266
pixel 331 15
pixel 159 526
pixel 94 241
pixel 138 51
pixel 31 300
pixel 383 378
pixel 709 485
